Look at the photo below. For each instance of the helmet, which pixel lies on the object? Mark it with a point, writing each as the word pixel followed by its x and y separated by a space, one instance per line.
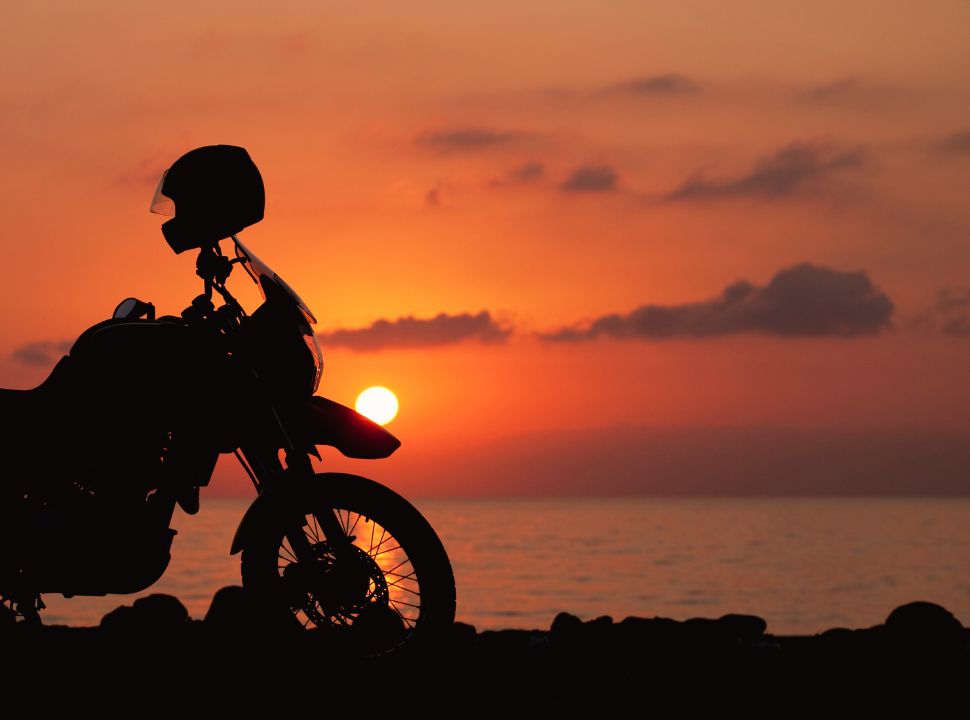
pixel 211 193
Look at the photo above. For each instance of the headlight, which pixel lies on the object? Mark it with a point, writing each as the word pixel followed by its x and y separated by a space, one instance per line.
pixel 311 342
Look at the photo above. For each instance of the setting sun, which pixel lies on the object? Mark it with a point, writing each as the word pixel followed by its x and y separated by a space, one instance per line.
pixel 377 403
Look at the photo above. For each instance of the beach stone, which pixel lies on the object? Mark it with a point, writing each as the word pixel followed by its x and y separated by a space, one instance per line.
pixel 565 624
pixel 745 627
pixel 925 625
pixel 154 613
pixel 503 641
pixel 463 633
pixel 118 619
pixel 537 640
pixel 230 609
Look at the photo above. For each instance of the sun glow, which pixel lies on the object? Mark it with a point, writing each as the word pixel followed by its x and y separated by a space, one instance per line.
pixel 377 403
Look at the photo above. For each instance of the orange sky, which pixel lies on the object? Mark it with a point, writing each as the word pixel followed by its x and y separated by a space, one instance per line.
pixel 550 163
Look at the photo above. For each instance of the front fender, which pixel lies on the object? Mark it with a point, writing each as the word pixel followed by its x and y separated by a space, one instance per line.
pixel 320 421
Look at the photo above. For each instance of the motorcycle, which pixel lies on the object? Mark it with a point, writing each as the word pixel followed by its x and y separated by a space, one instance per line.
pixel 131 422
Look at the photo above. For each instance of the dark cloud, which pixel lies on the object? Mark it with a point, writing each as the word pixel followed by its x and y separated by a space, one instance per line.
pixel 524 174
pixel 801 301
pixel 949 313
pixel 837 90
pixel 43 352
pixel 466 139
pixel 411 332
pixel 957 143
pixel 528 172
pixel 668 84
pixel 796 168
pixel 590 178
pixel 850 91
pixel 957 326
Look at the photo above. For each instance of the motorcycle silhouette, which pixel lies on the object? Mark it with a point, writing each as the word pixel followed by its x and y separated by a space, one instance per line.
pixel 131 423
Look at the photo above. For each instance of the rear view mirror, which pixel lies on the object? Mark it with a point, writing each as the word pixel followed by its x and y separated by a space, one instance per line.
pixel 132 309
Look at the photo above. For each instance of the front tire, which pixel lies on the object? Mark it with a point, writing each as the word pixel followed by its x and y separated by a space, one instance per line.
pixel 394 589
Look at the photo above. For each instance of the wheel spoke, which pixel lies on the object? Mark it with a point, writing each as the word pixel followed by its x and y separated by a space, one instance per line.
pixel 401 602
pixel 379 543
pixel 351 530
pixel 287 550
pixel 403 577
pixel 384 552
pixel 403 562
pixel 401 587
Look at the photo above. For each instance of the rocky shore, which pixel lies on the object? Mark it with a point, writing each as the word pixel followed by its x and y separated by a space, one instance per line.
pixel 920 646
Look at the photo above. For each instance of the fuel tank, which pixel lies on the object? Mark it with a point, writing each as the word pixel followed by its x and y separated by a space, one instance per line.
pixel 133 379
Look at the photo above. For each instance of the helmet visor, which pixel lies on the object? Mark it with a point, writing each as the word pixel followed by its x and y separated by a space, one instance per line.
pixel 162 204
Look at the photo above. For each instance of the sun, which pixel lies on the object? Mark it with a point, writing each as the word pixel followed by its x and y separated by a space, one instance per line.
pixel 377 403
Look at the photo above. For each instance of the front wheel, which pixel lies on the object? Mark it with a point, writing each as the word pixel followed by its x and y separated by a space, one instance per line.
pixel 391 588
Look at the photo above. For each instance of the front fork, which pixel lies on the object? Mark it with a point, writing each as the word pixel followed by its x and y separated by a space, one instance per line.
pixel 298 467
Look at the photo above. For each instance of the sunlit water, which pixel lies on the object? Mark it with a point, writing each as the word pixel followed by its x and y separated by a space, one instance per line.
pixel 804 564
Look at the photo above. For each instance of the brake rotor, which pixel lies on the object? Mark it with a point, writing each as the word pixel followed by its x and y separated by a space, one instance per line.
pixel 335 590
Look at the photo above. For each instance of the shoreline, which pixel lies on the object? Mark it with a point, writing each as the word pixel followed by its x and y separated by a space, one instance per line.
pixel 589 664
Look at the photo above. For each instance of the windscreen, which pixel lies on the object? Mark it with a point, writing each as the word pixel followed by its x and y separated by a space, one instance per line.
pixel 162 204
pixel 256 268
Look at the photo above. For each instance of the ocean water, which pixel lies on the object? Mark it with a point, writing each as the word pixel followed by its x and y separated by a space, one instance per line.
pixel 805 565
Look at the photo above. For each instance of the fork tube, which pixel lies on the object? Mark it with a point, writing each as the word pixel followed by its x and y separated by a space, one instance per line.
pixel 299 464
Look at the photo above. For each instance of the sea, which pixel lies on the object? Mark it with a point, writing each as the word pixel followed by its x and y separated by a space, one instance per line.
pixel 805 564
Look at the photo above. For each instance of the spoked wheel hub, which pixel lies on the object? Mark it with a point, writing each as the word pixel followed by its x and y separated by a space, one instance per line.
pixel 333 587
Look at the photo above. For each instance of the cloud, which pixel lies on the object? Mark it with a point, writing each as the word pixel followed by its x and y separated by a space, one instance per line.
pixel 849 91
pixel 524 174
pixel 649 85
pixel 949 313
pixel 466 139
pixel 43 353
pixel 801 301
pixel 590 178
pixel 411 332
pixel 795 168
pixel 957 143
pixel 527 172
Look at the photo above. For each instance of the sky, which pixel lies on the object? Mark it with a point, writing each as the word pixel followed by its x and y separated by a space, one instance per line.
pixel 594 248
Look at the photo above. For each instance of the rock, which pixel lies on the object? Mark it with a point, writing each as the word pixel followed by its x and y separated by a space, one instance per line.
pixel 537 640
pixel 230 609
pixel 155 613
pixel 378 627
pixel 463 634
pixel 925 626
pixel 503 641
pixel 923 617
pixel 161 610
pixel 565 624
pixel 748 628
pixel 118 619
